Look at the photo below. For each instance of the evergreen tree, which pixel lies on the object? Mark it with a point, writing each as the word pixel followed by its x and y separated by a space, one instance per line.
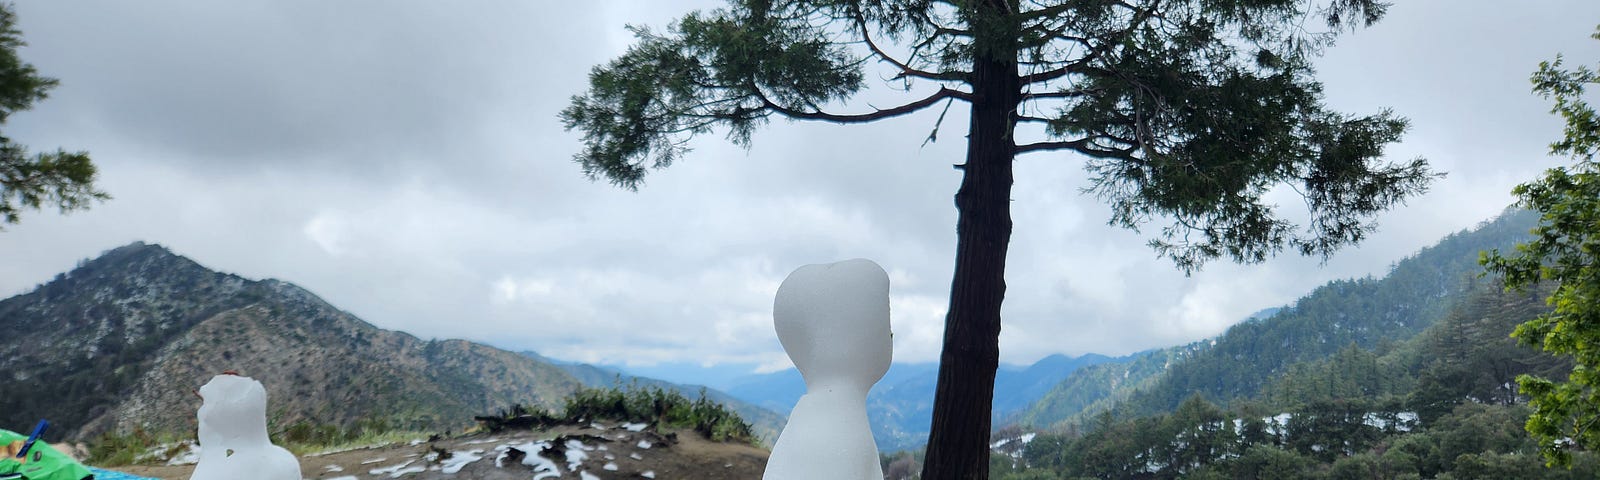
pixel 1203 434
pixel 1185 112
pixel 31 181
pixel 1565 251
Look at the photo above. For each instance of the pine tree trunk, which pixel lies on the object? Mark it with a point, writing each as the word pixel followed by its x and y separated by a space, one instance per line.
pixel 958 442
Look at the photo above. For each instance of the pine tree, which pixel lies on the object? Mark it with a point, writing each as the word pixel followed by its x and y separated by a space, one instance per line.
pixel 61 179
pixel 1566 252
pixel 1185 113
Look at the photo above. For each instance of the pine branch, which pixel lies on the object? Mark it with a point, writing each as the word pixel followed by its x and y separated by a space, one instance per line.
pixel 906 70
pixel 1084 146
pixel 875 115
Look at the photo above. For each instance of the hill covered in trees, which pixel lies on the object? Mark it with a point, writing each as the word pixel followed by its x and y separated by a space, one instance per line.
pixel 1407 376
pixel 1439 405
pixel 1371 313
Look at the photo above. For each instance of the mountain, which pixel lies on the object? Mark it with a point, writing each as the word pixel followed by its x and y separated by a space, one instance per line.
pixel 1441 404
pixel 1016 388
pixel 121 342
pixel 765 421
pixel 1366 312
pixel 1097 387
pixel 900 406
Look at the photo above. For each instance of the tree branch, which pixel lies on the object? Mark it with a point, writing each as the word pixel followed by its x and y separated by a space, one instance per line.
pixel 1059 94
pixel 1046 76
pixel 905 69
pixel 1083 145
pixel 1046 12
pixel 879 114
pixel 1140 16
pixel 940 32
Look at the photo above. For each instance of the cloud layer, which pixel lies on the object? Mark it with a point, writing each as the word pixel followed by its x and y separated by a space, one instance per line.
pixel 404 161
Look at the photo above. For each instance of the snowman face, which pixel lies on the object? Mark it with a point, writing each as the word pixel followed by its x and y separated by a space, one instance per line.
pixel 833 321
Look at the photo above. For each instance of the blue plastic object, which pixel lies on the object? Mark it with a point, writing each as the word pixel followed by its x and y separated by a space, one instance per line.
pixel 101 474
pixel 37 431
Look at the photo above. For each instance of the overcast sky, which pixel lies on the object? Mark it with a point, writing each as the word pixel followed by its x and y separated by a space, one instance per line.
pixel 403 160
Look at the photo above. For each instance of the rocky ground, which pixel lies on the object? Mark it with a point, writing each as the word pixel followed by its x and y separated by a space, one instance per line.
pixel 595 452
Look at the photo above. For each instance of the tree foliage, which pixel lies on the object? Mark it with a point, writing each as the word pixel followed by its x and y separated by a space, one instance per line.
pixel 1187 111
pixel 1565 252
pixel 31 181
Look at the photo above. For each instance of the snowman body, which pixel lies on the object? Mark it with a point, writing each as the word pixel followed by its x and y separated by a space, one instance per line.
pixel 233 434
pixel 833 322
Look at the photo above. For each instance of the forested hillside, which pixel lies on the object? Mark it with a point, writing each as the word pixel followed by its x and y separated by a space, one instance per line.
pixel 1438 405
pixel 1098 387
pixel 765 422
pixel 1365 312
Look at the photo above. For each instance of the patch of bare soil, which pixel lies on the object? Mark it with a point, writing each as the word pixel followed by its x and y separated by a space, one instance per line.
pixel 570 452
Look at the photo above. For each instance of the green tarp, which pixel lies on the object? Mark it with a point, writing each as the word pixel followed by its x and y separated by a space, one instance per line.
pixel 43 463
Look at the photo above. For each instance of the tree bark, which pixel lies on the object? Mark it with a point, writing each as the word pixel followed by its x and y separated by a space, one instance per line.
pixel 958 441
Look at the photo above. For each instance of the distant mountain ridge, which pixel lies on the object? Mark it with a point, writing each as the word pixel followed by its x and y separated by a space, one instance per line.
pixel 900 406
pixel 766 421
pixel 1417 292
pixel 120 343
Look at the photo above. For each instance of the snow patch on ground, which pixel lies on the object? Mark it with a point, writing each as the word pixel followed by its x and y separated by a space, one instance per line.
pixel 1022 439
pixel 190 455
pixel 542 467
pixel 458 460
pixel 575 455
pixel 395 471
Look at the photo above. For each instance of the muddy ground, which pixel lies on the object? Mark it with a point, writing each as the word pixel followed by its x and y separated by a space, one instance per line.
pixel 586 453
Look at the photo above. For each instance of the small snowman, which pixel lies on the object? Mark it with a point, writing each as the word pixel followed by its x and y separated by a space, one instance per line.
pixel 833 321
pixel 233 434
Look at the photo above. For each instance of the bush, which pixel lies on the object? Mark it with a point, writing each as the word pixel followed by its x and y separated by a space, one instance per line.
pixel 127 449
pixel 661 408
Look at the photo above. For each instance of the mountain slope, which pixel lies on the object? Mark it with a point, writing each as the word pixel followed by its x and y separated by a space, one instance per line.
pixel 121 341
pixel 900 406
pixel 1365 312
pixel 1095 388
pixel 1017 388
pixel 766 422
pixel 1442 404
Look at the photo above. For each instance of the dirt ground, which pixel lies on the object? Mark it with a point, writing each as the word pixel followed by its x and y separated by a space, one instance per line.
pixel 606 453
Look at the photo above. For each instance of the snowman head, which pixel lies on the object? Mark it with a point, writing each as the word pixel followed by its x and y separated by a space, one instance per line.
pixel 233 407
pixel 833 321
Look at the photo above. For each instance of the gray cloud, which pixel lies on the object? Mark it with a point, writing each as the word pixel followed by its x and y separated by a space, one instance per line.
pixel 403 160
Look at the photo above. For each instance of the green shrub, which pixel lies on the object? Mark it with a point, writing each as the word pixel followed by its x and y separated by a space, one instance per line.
pixel 659 407
pixel 121 449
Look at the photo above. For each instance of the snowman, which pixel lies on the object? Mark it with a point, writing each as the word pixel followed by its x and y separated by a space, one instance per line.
pixel 233 434
pixel 833 321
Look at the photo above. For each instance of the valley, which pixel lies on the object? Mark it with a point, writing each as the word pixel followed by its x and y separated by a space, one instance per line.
pixel 1412 356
